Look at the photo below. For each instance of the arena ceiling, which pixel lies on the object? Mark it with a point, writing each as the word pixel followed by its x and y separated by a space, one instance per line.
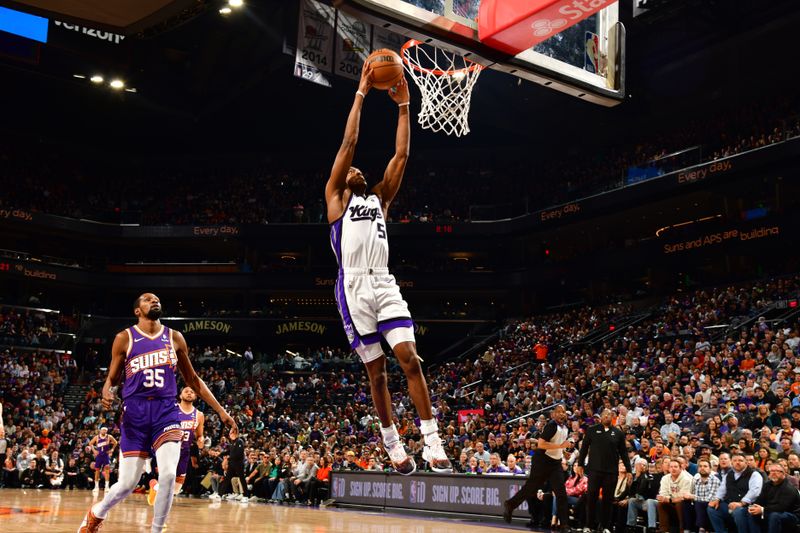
pixel 205 80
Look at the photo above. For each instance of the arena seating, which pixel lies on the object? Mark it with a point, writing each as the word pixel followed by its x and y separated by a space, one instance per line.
pixel 256 193
pixel 714 351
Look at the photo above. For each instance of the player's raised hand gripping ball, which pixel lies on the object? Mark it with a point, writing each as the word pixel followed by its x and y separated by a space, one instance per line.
pixel 365 83
pixel 386 67
pixel 399 93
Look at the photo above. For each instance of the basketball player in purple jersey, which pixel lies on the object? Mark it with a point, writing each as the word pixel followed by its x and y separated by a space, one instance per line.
pixel 192 422
pixel 368 297
pixel 103 446
pixel 149 353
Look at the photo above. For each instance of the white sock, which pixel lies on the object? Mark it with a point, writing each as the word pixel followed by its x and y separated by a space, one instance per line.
pixel 430 429
pixel 390 436
pixel 167 455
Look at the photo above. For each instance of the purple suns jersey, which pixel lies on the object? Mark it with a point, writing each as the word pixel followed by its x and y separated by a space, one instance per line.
pixel 101 445
pixel 150 365
pixel 188 425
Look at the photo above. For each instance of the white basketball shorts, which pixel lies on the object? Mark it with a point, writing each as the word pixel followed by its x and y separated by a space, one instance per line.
pixel 371 305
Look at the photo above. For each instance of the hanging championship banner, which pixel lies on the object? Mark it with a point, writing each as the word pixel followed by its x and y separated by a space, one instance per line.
pixel 383 38
pixel 352 45
pixel 314 57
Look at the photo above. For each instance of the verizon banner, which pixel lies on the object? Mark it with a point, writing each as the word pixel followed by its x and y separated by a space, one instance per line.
pixel 352 45
pixel 453 493
pixel 314 56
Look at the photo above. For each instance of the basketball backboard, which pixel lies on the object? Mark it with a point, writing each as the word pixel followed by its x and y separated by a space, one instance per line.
pixel 586 60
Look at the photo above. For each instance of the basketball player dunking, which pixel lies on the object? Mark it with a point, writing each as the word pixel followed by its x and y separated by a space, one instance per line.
pixel 103 446
pixel 150 353
pixel 368 297
pixel 192 422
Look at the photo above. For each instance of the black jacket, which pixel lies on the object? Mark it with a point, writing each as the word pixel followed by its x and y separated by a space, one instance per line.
pixel 236 457
pixel 782 498
pixel 605 449
pixel 645 486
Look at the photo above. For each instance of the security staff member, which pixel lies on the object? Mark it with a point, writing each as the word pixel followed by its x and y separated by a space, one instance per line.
pixel 605 446
pixel 546 465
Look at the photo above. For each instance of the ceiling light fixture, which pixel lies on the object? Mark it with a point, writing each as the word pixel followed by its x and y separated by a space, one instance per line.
pixel 117 84
pixel 97 78
pixel 79 76
pixel 225 11
pixel 236 3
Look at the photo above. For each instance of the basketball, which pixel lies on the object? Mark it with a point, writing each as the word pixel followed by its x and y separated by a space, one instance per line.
pixel 387 68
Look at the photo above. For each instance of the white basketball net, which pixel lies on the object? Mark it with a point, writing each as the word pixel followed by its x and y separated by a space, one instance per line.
pixel 445 80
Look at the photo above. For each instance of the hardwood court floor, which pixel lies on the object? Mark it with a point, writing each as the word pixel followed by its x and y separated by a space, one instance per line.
pixel 29 511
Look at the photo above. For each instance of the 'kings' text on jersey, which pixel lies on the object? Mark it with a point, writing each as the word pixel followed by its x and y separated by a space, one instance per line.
pixel 359 238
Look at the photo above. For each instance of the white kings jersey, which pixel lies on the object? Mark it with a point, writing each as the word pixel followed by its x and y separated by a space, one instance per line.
pixel 359 238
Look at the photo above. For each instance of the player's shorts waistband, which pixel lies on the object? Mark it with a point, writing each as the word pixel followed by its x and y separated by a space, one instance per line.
pixel 374 271
pixel 146 398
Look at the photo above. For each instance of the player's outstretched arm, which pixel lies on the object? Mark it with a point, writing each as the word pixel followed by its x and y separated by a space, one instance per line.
pixel 193 380
pixel 393 176
pixel 119 350
pixel 337 182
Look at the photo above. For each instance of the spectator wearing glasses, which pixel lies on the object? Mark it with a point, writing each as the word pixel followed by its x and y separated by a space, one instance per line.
pixel 778 505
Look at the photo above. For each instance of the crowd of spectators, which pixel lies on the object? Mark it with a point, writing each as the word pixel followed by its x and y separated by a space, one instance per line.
pixel 258 191
pixel 687 400
pixel 33 327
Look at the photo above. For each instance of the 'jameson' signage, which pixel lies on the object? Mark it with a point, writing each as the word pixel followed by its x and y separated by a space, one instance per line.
pixel 299 325
pixel 206 325
pixel 452 493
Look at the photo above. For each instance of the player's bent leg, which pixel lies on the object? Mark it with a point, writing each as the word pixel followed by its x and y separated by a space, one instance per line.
pixel 167 455
pixel 406 353
pixel 130 470
pixel 183 468
pixel 375 361
pixel 378 382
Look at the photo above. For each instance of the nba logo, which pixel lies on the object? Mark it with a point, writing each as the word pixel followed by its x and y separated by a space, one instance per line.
pixel 413 497
pixel 591 57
